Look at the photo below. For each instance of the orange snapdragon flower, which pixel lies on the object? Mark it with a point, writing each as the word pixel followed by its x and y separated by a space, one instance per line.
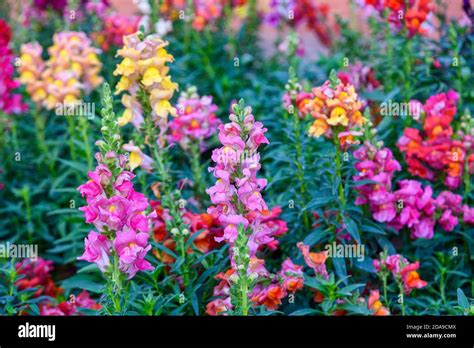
pixel 336 110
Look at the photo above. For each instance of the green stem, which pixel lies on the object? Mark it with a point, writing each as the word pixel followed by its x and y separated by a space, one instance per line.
pixel 85 138
pixel 72 131
pixel 244 295
pixel 442 286
pixel 402 298
pixel 342 198
pixel 196 168
pixel 169 200
pixel 467 181
pixel 40 134
pixel 116 288
pixel 299 167
pixel 385 297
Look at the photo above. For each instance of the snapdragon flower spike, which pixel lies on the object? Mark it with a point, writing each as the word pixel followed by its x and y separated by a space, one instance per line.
pixel 377 165
pixel 336 108
pixel 238 202
pixel 415 14
pixel 434 150
pixel 115 209
pixel 412 205
pixel 10 103
pixel 144 76
pixel 72 69
pixel 196 120
pixel 237 191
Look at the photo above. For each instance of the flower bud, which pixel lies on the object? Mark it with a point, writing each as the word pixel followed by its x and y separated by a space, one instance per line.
pixel 174 231
pixel 234 278
pixel 253 276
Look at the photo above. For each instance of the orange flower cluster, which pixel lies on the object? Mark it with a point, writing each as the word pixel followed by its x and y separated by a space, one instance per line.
pixel 410 14
pixel 336 109
pixel 207 226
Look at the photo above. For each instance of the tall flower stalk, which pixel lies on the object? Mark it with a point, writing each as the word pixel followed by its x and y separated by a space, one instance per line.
pixel 237 195
pixel 144 75
pixel 335 107
pixel 119 245
pixel 291 101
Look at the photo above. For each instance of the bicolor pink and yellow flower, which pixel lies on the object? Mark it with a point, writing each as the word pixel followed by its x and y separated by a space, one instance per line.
pixel 72 69
pixel 196 120
pixel 117 212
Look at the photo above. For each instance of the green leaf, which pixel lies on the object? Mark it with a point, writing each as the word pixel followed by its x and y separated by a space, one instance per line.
pixel 305 311
pixel 347 290
pixel 462 300
pixel 83 282
pixel 351 227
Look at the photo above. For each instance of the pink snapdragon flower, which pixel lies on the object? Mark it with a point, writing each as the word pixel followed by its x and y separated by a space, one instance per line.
pixel 236 193
pixel 97 250
pixel 412 205
pixel 132 248
pixel 417 208
pixel 114 206
pixel 196 119
pixel 468 214
pixel 238 203
pixel 377 165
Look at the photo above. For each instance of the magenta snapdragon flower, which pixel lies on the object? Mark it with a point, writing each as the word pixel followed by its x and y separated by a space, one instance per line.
pixel 412 205
pixel 10 103
pixel 377 165
pixel 117 211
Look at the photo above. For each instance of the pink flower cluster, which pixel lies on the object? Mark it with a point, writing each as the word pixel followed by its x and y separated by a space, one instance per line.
pixel 376 165
pixel 410 206
pixel 67 308
pixel 116 26
pixel 117 211
pixel 37 274
pixel 401 270
pixel 196 120
pixel 10 103
pixel 237 191
pixel 269 292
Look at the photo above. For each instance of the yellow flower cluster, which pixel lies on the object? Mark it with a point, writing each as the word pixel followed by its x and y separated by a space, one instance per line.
pixel 72 68
pixel 144 72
